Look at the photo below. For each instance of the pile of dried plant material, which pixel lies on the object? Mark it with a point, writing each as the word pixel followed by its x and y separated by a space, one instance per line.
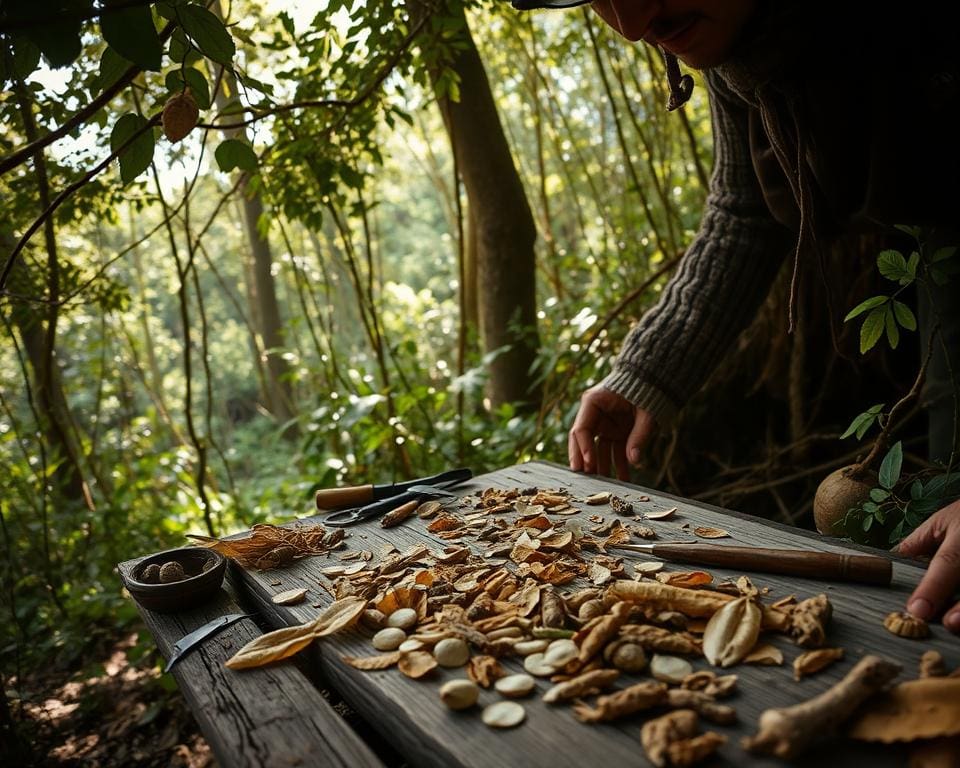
pixel 497 596
pixel 274 546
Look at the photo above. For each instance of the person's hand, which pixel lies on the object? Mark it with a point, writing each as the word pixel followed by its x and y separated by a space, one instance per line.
pixel 939 536
pixel 607 426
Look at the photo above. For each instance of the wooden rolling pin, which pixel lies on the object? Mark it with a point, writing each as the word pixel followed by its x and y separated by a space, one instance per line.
pixel 826 566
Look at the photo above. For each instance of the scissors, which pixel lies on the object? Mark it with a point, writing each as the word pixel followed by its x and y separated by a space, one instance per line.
pixel 389 497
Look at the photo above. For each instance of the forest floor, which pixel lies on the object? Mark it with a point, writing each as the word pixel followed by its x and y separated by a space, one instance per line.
pixel 120 716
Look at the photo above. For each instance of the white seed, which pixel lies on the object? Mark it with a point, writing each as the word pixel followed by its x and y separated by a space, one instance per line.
pixel 526 647
pixel 459 694
pixel 561 652
pixel 451 652
pixel 503 714
pixel 515 686
pixel 403 618
pixel 535 665
pixel 410 645
pixel 648 568
pixel 389 639
pixel 670 669
pixel 590 610
pixel 499 634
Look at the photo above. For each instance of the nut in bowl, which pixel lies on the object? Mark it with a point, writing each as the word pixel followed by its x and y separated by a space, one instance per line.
pixel 176 579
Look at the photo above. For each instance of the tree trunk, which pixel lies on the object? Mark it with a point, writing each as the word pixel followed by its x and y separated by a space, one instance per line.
pixel 503 228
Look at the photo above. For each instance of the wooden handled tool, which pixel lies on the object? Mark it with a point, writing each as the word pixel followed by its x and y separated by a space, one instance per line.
pixel 827 566
pixel 337 498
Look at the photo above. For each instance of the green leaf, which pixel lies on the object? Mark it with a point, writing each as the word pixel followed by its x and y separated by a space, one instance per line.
pixel 194 80
pixel 59 41
pixel 208 33
pixel 863 306
pixel 136 156
pixel 856 424
pixel 913 263
pixel 890 466
pixel 869 506
pixel 942 254
pixel 130 32
pixel 234 153
pixel 893 266
pixel 893 332
pixel 867 523
pixel 904 315
pixel 872 329
pixel 916 490
pixel 112 67
pixel 914 232
pixel 879 495
pixel 26 57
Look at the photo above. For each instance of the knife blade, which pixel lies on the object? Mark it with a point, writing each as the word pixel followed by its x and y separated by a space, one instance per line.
pixel 188 642
pixel 335 498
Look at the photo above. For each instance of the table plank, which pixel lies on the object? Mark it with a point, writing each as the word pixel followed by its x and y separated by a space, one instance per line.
pixel 409 714
pixel 272 716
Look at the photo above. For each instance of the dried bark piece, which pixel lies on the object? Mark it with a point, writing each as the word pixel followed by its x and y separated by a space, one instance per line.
pixel 396 516
pixel 692 751
pixel 598 574
pixel 581 685
pixel 484 670
pixel 705 532
pixel 289 597
pixel 917 709
pixel 656 735
pixel 503 714
pixel 811 662
pixel 368 663
pixel 660 639
pixel 808 621
pixel 732 632
pixel 932 665
pixel 765 655
pixel 416 664
pixel 787 732
pixel 703 704
pixel 429 509
pixel 445 522
pixel 688 579
pixel 621 506
pixel 906 625
pixel 622 703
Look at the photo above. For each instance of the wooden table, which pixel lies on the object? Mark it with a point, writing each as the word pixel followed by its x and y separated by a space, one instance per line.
pixel 409 716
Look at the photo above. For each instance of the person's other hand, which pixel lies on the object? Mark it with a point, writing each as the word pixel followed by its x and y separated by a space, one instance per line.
pixel 608 426
pixel 938 536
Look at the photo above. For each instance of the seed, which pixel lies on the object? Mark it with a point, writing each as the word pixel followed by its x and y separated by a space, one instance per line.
pixel 503 714
pixel 452 652
pixel 170 572
pixel 670 669
pixel 389 639
pixel 561 652
pixel 499 634
pixel 459 694
pixel 373 619
pixel 290 596
pixel 648 568
pixel 515 686
pixel 526 647
pixel 151 574
pixel 403 618
pixel 410 645
pixel 535 665
pixel 590 610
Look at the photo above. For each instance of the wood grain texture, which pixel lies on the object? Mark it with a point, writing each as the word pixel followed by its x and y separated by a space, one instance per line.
pixel 265 717
pixel 409 714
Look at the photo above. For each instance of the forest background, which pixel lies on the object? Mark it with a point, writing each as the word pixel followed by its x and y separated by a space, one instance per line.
pixel 403 236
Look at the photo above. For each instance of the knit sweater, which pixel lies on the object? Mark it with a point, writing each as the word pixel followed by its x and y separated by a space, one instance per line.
pixel 861 131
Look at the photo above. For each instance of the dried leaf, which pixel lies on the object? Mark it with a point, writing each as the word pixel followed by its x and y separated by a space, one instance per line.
pixel 688 579
pixel 765 655
pixel 445 522
pixel 290 597
pixel 732 632
pixel 270 546
pixel 484 670
pixel 272 646
pixel 403 597
pixel 648 568
pixel 342 614
pixel 598 574
pixel 416 664
pixel 813 661
pixel 711 533
pixel 369 663
pixel 622 703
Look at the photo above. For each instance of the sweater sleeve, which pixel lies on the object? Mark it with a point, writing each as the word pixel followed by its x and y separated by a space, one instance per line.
pixel 719 285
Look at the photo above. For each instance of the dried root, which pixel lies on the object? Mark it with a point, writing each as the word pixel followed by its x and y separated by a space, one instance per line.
pixel 622 703
pixel 786 732
pixel 808 621
pixel 703 704
pixel 932 665
pixel 661 640
pixel 811 662
pixel 581 685
pixel 671 740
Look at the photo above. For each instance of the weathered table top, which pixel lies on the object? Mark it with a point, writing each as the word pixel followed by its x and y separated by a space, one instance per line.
pixel 411 718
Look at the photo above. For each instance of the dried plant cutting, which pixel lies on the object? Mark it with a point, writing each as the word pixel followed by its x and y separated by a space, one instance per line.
pixel 488 610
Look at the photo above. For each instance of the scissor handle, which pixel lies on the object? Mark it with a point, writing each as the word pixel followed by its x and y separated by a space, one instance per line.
pixel 376 509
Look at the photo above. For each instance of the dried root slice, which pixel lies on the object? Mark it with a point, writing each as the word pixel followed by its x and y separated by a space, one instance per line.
pixel 526 647
pixel 515 686
pixel 787 732
pixel 714 685
pixel 808 621
pixel 503 714
pixel 369 663
pixel 732 632
pixel 624 702
pixel 290 597
pixel 917 709
pixel 670 669
pixel 581 685
pixel 536 666
pixel 703 704
pixel 692 751
pixel 484 670
pixel 459 694
pixel 560 652
pixel 658 734
pixel 811 662
pixel 765 655
pixel 932 665
pixel 416 664
pixel 906 625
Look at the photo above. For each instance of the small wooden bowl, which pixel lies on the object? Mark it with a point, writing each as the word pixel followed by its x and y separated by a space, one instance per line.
pixel 199 586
